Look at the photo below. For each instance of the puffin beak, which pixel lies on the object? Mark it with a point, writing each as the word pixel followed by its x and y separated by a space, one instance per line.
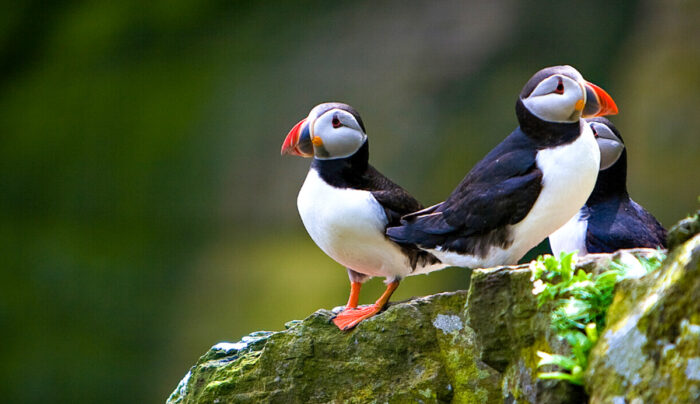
pixel 298 141
pixel 598 102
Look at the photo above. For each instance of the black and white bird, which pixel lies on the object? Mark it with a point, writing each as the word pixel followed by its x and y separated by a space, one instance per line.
pixel 610 220
pixel 346 206
pixel 526 187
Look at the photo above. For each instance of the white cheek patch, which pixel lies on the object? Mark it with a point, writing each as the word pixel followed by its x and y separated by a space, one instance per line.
pixel 554 107
pixel 342 142
pixel 338 142
pixel 552 103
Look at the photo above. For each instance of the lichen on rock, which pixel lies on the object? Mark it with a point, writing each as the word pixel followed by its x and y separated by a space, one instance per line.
pixel 398 356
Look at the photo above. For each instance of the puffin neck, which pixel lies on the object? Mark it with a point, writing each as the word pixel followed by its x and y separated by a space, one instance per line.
pixel 611 182
pixel 344 172
pixel 543 133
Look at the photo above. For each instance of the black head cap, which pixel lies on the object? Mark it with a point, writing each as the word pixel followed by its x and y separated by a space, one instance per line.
pixel 608 123
pixel 536 78
pixel 320 109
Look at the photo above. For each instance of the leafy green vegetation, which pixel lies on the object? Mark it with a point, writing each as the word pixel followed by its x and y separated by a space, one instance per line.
pixel 580 303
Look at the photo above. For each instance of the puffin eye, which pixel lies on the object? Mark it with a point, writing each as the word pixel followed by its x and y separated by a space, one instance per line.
pixel 335 122
pixel 560 87
pixel 595 132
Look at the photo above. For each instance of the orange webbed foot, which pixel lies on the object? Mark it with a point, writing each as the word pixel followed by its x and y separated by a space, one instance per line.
pixel 350 317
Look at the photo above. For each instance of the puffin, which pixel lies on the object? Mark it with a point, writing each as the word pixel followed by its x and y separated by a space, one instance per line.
pixel 346 205
pixel 610 220
pixel 524 189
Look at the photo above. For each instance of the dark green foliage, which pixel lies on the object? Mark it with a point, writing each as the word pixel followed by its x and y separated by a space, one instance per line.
pixel 579 304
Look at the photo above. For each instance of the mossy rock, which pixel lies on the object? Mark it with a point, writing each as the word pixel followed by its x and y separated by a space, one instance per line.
pixel 416 351
pixel 476 346
pixel 650 349
pixel 684 230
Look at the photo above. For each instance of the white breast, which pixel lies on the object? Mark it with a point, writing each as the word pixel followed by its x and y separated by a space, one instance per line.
pixel 569 173
pixel 349 225
pixel 571 236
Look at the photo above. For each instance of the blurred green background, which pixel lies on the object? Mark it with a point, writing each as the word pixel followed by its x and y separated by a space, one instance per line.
pixel 146 213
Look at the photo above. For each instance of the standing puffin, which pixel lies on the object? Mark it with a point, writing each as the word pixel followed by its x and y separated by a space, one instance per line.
pixel 346 206
pixel 610 219
pixel 526 187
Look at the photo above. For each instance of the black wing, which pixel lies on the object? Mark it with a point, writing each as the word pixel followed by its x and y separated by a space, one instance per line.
pixel 500 190
pixel 617 224
pixel 423 212
pixel 395 200
pixel 396 203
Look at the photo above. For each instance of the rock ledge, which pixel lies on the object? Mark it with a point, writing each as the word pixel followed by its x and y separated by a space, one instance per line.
pixel 475 346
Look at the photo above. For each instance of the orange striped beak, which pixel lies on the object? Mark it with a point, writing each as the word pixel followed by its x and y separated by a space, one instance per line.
pixel 598 102
pixel 298 141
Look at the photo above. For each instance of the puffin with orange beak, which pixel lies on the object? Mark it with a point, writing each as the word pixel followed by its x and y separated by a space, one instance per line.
pixel 346 206
pixel 527 187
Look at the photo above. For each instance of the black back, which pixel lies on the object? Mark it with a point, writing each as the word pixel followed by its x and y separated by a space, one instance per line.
pixel 499 191
pixel 615 221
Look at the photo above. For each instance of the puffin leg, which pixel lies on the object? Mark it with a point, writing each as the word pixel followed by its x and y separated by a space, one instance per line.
pixel 354 295
pixel 356 281
pixel 350 317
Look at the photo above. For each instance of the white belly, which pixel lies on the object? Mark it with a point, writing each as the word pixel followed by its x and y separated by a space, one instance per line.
pixel 569 174
pixel 349 226
pixel 495 257
pixel 570 237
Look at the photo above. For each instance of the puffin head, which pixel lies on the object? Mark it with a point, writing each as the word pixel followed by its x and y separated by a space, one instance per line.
pixel 612 178
pixel 559 94
pixel 609 141
pixel 331 131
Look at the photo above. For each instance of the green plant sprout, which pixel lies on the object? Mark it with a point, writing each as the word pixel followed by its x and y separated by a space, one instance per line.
pixel 581 301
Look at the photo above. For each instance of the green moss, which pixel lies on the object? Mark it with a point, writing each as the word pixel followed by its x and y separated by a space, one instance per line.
pixel 393 357
pixel 580 304
pixel 471 380
pixel 652 335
